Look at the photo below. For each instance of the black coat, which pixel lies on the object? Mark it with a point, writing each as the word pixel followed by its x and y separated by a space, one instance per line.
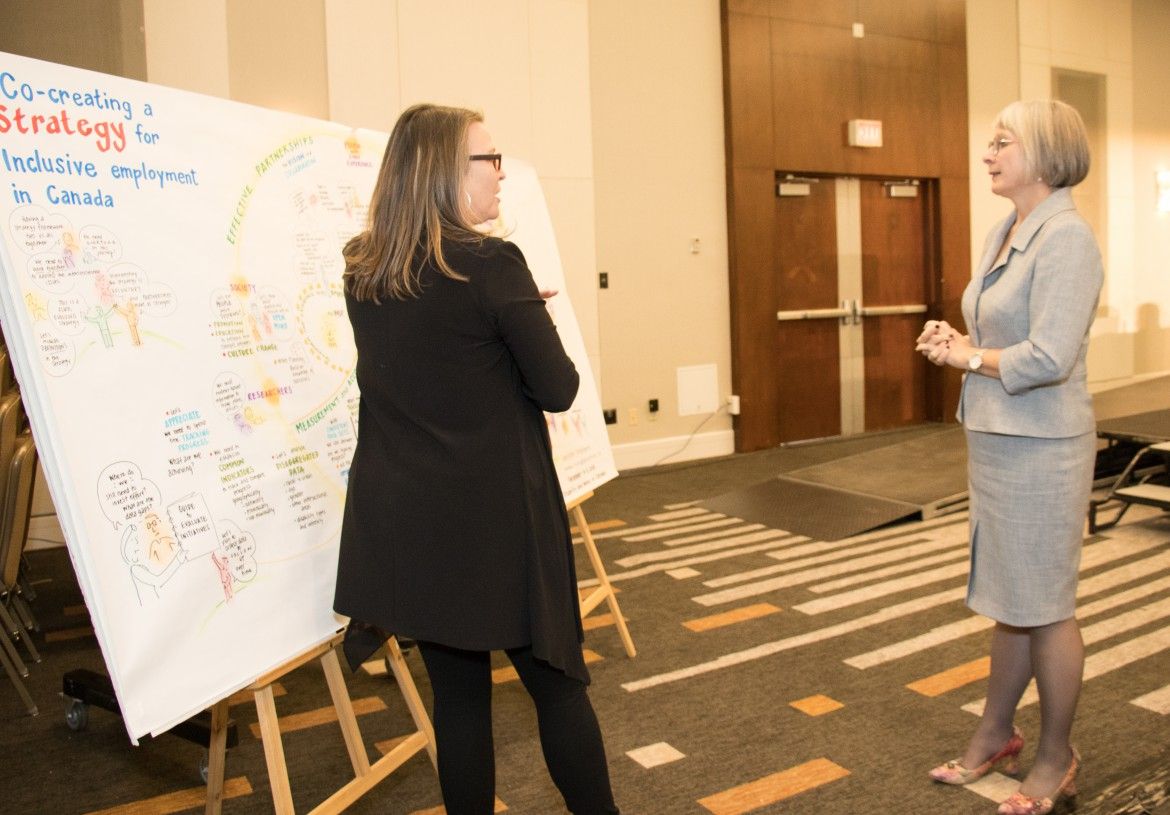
pixel 455 529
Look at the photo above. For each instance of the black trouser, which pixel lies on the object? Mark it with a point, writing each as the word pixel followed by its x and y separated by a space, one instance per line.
pixel 569 735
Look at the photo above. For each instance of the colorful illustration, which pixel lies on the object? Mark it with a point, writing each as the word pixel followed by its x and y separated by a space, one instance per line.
pixel 154 551
pixel 171 292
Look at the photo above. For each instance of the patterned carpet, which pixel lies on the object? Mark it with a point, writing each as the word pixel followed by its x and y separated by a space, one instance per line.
pixel 775 674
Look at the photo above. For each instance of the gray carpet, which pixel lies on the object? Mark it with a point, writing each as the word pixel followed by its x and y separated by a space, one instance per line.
pixel 818 510
pixel 721 696
pixel 902 477
pixel 927 470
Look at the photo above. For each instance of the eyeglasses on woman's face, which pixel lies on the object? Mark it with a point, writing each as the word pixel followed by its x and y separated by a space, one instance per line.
pixel 995 145
pixel 497 159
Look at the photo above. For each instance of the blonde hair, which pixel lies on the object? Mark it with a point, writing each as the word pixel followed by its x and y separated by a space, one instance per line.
pixel 416 204
pixel 1052 136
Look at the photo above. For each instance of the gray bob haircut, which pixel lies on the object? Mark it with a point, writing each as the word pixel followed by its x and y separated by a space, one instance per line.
pixel 1052 136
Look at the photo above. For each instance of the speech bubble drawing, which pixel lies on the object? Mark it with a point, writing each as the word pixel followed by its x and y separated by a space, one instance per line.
pixel 68 313
pixel 223 305
pixel 158 300
pixel 278 312
pixel 50 272
pixel 57 353
pixel 100 244
pixel 35 230
pixel 126 282
pixel 229 393
pixel 124 494
pixel 238 549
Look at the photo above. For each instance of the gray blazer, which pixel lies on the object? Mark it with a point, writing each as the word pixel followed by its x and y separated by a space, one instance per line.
pixel 1037 307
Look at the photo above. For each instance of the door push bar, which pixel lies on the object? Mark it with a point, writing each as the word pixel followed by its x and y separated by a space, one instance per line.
pixel 850 312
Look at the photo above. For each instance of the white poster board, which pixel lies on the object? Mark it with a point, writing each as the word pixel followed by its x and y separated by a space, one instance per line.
pixel 171 301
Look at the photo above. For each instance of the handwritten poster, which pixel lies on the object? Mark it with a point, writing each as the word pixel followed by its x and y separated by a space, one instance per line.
pixel 171 300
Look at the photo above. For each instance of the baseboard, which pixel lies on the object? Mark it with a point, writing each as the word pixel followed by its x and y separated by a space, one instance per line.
pixel 673 449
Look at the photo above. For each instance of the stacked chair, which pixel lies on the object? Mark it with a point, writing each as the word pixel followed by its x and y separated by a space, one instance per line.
pixel 18 464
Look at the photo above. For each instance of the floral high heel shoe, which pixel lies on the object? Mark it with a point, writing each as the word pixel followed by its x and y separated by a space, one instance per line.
pixel 1020 804
pixel 953 772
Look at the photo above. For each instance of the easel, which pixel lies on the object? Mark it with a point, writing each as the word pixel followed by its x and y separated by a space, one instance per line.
pixel 366 775
pixel 604 590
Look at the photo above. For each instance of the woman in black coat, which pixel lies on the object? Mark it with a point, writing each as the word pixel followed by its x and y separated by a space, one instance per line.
pixel 455 533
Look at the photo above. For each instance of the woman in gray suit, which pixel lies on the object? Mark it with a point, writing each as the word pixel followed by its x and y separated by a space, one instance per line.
pixel 1031 443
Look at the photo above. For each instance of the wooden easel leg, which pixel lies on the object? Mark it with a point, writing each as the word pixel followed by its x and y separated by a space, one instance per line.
pixel 603 578
pixel 345 715
pixel 273 750
pixel 414 702
pixel 366 775
pixel 216 757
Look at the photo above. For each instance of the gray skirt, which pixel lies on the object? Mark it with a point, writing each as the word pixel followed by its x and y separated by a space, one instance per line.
pixel 1029 500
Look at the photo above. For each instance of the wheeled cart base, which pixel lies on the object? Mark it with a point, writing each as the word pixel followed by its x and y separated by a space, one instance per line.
pixel 84 688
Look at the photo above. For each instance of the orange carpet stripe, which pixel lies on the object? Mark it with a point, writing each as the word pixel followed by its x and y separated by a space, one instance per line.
pixel 600 525
pixel 441 810
pixel 322 715
pixel 385 747
pixel 817 705
pixel 582 593
pixel 178 801
pixel 773 788
pixel 599 621
pixel 66 634
pixel 737 615
pixel 245 696
pixel 956 677
pixel 508 674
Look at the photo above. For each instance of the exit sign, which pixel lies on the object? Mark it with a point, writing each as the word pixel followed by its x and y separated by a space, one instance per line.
pixel 865 132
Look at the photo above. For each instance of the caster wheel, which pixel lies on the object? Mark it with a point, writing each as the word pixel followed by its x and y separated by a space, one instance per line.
pixel 77 715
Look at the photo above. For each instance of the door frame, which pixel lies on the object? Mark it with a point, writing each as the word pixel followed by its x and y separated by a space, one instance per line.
pixel 753 315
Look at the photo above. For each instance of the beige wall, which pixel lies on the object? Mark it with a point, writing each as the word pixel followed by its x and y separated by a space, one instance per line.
pixel 993 80
pixel 1151 153
pixel 264 52
pixel 187 46
pixel 657 82
pixel 1096 38
pixel 276 55
pixel 99 35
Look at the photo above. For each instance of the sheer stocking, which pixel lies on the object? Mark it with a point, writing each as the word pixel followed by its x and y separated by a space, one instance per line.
pixel 1011 670
pixel 1055 655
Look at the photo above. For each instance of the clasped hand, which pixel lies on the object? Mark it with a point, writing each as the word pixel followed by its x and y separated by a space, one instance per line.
pixel 943 345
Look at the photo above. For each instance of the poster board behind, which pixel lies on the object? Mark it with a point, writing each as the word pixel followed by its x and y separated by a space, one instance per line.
pixel 171 301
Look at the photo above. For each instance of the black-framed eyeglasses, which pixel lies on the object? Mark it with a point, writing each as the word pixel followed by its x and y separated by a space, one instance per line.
pixel 496 159
pixel 995 145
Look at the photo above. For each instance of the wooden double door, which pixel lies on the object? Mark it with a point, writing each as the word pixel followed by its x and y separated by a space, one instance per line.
pixel 853 274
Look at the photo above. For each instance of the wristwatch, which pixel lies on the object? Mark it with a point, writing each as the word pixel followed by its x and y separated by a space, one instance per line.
pixel 975 362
